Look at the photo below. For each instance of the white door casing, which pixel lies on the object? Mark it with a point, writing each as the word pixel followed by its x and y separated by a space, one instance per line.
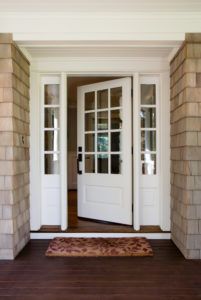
pixel 36 117
pixel 104 135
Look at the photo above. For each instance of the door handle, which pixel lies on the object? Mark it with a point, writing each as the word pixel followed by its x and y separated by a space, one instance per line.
pixel 79 159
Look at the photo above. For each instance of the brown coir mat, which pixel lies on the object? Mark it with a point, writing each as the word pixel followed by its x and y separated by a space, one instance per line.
pixel 94 247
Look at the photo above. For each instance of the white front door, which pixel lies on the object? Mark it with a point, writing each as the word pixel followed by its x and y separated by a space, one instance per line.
pixel 104 151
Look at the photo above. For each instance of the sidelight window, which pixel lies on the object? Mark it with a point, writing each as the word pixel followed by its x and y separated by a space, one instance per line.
pixel 148 121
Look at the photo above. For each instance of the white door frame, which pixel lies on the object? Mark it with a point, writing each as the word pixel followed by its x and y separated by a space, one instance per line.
pixel 35 148
pixel 63 152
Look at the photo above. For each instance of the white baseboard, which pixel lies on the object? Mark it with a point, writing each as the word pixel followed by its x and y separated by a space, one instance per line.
pixel 51 235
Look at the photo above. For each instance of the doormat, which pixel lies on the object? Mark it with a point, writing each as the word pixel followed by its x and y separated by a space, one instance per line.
pixel 94 247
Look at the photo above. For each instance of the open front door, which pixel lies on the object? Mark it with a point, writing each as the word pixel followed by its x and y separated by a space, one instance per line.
pixel 104 151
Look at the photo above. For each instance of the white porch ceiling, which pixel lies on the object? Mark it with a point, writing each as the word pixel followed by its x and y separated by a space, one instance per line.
pixel 100 6
pixel 126 49
pixel 100 28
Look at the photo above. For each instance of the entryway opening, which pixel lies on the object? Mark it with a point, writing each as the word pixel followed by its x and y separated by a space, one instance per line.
pixel 75 222
pixel 98 105
pixel 112 146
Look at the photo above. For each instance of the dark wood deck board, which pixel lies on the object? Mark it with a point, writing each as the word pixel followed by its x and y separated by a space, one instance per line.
pixel 165 276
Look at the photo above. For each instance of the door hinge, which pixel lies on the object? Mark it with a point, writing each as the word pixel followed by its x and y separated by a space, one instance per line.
pixel 132 207
pixel 132 150
pixel 132 93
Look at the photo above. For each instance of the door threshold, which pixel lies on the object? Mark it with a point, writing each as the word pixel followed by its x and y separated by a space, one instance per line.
pixel 83 226
pixel 51 235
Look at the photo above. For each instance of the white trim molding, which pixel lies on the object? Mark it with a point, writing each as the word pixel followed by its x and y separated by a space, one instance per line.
pixel 136 152
pixel 63 152
pixel 51 235
pixel 35 148
pixel 139 26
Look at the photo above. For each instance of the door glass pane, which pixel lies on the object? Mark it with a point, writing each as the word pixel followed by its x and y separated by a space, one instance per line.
pixel 51 94
pixel 90 101
pixel 148 164
pixel 51 140
pixel 115 164
pixel 89 121
pixel 102 162
pixel 148 140
pixel 90 163
pixel 102 99
pixel 52 163
pixel 116 97
pixel 102 120
pixel 115 141
pixel 51 117
pixel 102 142
pixel 116 120
pixel 90 142
pixel 148 94
pixel 148 117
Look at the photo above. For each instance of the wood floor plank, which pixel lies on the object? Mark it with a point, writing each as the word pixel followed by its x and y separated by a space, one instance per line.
pixel 165 276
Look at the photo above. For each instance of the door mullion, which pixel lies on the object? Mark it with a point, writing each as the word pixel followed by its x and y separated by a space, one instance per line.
pixel 109 136
pixel 96 136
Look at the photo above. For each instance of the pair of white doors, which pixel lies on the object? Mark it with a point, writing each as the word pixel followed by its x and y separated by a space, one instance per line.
pixel 104 153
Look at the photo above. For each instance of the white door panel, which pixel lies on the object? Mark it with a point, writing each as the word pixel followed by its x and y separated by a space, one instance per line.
pixel 149 139
pixel 104 146
pixel 50 148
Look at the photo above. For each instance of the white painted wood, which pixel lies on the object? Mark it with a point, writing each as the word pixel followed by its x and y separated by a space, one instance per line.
pixel 165 152
pixel 149 184
pixel 103 6
pixel 104 49
pixel 94 50
pixel 136 152
pixel 78 67
pixel 63 151
pixel 72 170
pixel 100 66
pixel 51 184
pixel 35 153
pixel 107 196
pixel 52 26
pixel 49 236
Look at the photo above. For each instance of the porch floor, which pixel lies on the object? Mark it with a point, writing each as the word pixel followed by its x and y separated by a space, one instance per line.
pixel 166 275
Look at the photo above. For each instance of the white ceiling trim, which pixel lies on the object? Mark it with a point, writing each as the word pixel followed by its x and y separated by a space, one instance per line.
pixel 97 5
pixel 124 27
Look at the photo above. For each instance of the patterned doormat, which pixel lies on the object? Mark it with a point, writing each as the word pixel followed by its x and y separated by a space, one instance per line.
pixel 94 247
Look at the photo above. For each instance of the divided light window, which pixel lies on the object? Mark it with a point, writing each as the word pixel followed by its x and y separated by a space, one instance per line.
pixel 103 131
pixel 148 121
pixel 51 128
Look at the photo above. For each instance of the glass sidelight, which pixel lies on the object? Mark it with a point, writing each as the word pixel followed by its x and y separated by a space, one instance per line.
pixel 103 131
pixel 148 111
pixel 51 128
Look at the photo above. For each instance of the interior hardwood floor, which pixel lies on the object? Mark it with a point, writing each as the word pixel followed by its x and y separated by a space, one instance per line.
pixel 81 225
pixel 165 276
